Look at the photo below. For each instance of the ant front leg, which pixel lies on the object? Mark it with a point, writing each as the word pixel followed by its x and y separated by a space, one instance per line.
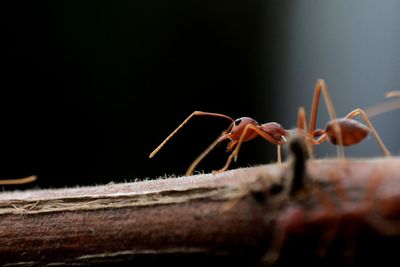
pixel 364 116
pixel 261 133
pixel 196 162
pixel 321 86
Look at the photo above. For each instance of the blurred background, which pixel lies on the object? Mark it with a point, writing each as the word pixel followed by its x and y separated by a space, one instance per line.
pixel 89 89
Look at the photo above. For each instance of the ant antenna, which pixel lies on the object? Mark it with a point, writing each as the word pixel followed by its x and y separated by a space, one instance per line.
pixel 195 113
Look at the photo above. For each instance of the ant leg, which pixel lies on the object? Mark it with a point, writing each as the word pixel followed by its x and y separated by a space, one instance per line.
pixel 302 125
pixel 235 152
pixel 279 153
pixel 202 155
pixel 392 94
pixel 260 132
pixel 363 115
pixel 302 119
pixel 323 138
pixel 321 86
pixel 386 106
pixel 25 180
pixel 195 113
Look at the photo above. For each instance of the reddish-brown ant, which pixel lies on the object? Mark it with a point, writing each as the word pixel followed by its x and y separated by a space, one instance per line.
pixel 240 130
pixel 342 132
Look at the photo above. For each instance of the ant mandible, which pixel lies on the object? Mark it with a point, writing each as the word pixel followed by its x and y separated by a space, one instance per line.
pixel 342 132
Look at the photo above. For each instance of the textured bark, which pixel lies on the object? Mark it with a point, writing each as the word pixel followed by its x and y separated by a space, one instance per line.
pixel 241 217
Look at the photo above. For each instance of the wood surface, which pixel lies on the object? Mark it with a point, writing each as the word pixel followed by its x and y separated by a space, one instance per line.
pixel 343 212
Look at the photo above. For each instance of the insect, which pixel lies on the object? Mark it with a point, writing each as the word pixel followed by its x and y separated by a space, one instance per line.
pixel 240 130
pixel 18 181
pixel 339 131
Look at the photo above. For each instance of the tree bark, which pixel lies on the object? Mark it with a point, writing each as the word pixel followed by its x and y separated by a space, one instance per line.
pixel 347 212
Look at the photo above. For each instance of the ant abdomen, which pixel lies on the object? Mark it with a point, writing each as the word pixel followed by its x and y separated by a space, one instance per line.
pixel 352 131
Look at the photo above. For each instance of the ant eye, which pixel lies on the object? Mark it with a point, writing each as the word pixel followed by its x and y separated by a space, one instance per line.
pixel 237 121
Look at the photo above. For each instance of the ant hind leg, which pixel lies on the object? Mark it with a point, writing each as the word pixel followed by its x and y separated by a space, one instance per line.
pixel 302 126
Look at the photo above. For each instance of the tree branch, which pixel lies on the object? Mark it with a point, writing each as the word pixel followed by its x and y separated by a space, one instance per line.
pixel 242 216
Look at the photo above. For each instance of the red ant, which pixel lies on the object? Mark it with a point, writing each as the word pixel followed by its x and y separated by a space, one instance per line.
pixel 240 130
pixel 342 132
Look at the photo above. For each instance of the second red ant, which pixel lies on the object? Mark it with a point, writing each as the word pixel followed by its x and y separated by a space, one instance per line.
pixel 339 131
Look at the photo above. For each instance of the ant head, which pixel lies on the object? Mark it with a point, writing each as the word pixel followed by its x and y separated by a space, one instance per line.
pixel 239 124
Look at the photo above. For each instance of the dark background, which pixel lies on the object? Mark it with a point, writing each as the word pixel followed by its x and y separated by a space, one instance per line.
pixel 89 89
